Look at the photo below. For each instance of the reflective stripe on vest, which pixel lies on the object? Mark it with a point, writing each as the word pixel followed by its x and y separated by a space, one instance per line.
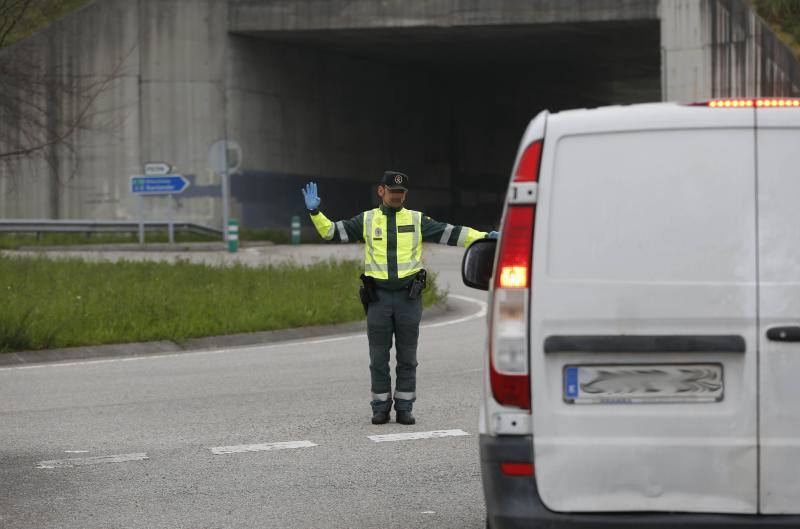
pixel 412 264
pixel 462 237
pixel 342 231
pixel 446 235
pixel 371 267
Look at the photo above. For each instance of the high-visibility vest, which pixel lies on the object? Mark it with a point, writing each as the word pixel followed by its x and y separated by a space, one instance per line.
pixel 409 243
pixel 409 227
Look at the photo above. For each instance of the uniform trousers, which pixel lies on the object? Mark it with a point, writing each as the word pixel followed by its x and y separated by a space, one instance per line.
pixel 393 315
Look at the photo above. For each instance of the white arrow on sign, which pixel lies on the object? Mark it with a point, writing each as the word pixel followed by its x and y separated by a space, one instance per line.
pixel 157 168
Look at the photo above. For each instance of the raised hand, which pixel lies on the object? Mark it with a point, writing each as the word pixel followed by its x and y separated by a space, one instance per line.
pixel 310 196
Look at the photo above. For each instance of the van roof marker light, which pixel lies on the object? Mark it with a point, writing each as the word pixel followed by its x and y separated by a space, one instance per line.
pixel 760 102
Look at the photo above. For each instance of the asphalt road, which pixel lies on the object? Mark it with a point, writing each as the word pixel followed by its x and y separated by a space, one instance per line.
pixel 162 416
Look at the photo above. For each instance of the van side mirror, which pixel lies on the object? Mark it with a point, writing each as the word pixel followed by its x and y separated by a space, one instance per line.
pixel 476 267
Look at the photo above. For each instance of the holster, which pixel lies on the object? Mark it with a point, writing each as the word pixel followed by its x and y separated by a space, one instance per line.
pixel 418 284
pixel 368 291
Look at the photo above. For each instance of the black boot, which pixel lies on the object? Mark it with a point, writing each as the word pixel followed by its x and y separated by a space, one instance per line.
pixel 405 417
pixel 380 417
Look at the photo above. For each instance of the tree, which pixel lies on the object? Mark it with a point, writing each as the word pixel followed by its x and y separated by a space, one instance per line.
pixel 20 18
pixel 46 101
pixel 784 17
pixel 42 105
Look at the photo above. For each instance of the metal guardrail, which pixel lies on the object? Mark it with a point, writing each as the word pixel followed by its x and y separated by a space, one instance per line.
pixel 99 226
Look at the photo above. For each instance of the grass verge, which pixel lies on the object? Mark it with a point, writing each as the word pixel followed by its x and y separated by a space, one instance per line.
pixel 13 241
pixel 49 303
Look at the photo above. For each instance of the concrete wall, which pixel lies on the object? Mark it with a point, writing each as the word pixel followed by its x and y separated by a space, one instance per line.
pixel 183 76
pixel 96 45
pixel 164 61
pixel 302 112
pixel 721 48
pixel 339 90
pixel 442 91
pixel 304 15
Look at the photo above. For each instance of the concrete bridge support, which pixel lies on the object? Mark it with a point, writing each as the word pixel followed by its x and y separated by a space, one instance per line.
pixel 338 90
pixel 721 48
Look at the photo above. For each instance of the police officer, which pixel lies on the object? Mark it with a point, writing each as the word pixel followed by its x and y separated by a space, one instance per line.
pixel 393 279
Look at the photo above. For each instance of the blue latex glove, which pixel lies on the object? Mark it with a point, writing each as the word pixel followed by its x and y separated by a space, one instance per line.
pixel 492 235
pixel 310 196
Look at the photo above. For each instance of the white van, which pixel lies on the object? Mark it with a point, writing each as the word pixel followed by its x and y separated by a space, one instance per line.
pixel 643 363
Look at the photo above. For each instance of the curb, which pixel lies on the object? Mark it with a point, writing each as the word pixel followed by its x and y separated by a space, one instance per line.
pixel 149 247
pixel 451 307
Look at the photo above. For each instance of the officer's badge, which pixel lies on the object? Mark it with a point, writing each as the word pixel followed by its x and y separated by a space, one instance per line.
pixel 398 179
pixel 378 232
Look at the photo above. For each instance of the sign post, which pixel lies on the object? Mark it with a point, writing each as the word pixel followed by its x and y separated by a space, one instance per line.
pixel 233 235
pixel 295 229
pixel 160 184
pixel 141 220
pixel 161 169
pixel 225 158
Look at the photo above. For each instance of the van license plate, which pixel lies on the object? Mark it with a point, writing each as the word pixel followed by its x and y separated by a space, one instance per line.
pixel 645 383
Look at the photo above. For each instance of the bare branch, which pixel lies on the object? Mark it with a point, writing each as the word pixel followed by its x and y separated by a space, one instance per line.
pixel 39 127
pixel 45 106
pixel 13 19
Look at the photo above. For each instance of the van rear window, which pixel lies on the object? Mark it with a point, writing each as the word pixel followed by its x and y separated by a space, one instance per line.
pixel 671 206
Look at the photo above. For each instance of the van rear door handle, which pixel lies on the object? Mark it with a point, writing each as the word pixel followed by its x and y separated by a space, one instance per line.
pixel 784 334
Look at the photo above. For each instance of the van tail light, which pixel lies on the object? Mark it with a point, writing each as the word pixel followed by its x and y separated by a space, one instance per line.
pixel 528 168
pixel 759 102
pixel 517 469
pixel 509 372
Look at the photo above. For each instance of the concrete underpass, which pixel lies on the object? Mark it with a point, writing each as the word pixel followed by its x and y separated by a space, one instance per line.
pixel 336 91
pixel 446 106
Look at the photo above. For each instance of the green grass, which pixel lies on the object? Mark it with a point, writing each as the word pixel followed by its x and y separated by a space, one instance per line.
pixel 12 241
pixel 46 303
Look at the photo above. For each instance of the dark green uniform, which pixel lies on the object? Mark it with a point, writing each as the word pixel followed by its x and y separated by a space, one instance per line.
pixel 394 314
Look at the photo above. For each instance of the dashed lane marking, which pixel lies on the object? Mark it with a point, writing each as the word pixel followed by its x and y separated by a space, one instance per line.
pixel 416 435
pixel 96 460
pixel 235 449
pixel 218 450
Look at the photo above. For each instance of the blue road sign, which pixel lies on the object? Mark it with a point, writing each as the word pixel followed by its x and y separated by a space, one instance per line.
pixel 158 185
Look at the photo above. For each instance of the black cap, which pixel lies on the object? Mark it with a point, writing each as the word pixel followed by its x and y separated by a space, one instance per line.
pixel 395 180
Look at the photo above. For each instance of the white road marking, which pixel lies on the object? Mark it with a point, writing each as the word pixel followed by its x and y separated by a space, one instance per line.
pixel 481 313
pixel 76 451
pixel 428 512
pixel 217 450
pixel 97 460
pixel 416 435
